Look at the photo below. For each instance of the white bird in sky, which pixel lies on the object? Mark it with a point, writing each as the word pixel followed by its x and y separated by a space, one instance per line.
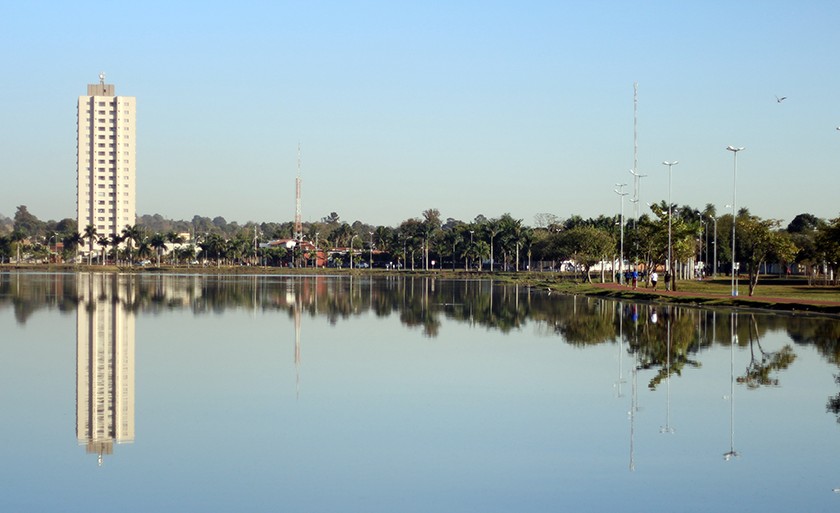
pixel 779 100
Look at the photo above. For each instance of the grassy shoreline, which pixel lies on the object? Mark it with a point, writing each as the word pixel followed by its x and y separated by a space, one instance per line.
pixel 794 296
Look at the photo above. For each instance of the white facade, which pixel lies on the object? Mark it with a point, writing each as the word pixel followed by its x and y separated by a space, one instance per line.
pixel 105 160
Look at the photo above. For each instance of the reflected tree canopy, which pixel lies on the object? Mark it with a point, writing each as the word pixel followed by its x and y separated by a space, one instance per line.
pixel 663 338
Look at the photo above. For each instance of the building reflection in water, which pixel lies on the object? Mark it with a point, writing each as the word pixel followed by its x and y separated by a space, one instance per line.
pixel 104 364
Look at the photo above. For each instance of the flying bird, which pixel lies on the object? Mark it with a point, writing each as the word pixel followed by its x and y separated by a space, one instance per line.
pixel 779 100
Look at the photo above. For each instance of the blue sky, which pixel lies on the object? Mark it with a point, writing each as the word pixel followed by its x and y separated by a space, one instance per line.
pixel 468 107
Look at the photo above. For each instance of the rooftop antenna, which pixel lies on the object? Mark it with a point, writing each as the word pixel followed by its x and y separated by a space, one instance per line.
pixel 298 223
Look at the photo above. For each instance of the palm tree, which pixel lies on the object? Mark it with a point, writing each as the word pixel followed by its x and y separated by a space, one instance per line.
pixel 186 253
pixel 342 234
pixel 91 236
pixel 383 236
pixel 492 229
pixel 174 238
pixel 132 235
pixel 72 242
pixel 451 240
pixel 510 233
pixel 480 251
pixel 527 237
pixel 158 243
pixel 144 250
pixel 115 241
pixel 103 241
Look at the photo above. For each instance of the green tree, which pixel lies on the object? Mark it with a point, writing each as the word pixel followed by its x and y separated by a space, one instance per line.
pixel 176 239
pixel 158 243
pixel 828 245
pixel 429 227
pixel 115 241
pixel 757 240
pixel 91 236
pixel 803 230
pixel 411 233
pixel 72 242
pixel 5 248
pixel 132 235
pixel 342 235
pixel 586 245
pixel 491 229
pixel 144 250
pixel 510 238
pixel 27 223
pixel 103 241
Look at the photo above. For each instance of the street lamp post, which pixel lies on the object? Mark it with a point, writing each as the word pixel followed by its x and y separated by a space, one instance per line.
pixel 621 194
pixel 734 151
pixel 351 249
pixel 714 248
pixel 637 185
pixel 703 236
pixel 54 236
pixel 472 249
pixel 668 266
pixel 316 249
pixel 714 245
pixel 370 254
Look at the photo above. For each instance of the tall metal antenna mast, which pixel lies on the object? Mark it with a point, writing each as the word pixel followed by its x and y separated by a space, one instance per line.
pixel 298 223
pixel 635 151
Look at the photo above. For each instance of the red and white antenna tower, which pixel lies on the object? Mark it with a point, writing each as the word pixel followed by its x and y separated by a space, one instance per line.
pixel 298 223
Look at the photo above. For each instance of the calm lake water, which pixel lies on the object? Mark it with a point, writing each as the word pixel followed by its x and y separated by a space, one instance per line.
pixel 270 393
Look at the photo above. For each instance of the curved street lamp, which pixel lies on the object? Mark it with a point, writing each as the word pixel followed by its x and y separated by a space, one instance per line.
pixel 637 186
pixel 54 236
pixel 734 151
pixel 370 253
pixel 351 249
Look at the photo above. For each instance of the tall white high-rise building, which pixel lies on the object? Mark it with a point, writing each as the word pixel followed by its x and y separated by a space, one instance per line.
pixel 105 160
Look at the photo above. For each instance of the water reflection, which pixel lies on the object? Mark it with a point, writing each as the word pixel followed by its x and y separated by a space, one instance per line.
pixel 663 337
pixel 104 363
pixel 410 385
pixel 666 340
pixel 731 453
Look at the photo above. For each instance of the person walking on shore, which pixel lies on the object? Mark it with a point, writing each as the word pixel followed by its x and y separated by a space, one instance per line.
pixel 667 280
pixel 653 279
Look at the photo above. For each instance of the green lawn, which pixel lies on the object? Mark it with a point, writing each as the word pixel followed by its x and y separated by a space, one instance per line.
pixel 768 287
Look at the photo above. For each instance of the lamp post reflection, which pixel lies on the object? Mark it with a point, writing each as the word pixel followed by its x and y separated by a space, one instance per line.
pixel 620 381
pixel 634 393
pixel 732 453
pixel 667 427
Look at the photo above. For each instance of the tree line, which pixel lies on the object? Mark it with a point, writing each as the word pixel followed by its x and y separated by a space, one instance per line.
pixel 700 242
